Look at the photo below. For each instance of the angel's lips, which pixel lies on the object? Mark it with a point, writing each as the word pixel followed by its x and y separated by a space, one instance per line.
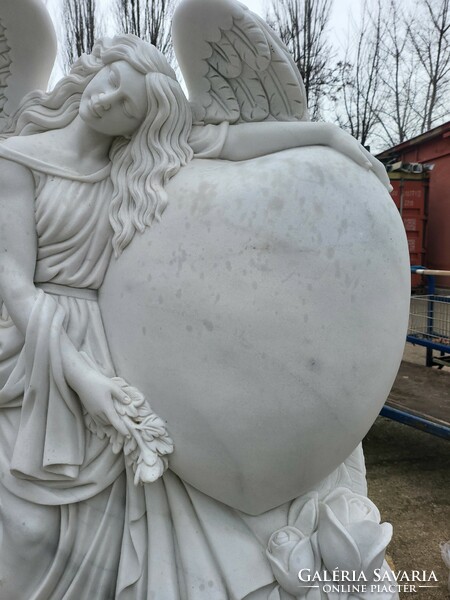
pixel 265 316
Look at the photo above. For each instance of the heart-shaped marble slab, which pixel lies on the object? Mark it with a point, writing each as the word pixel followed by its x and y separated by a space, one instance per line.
pixel 264 318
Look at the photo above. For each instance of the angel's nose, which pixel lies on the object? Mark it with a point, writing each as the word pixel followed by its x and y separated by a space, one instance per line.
pixel 104 101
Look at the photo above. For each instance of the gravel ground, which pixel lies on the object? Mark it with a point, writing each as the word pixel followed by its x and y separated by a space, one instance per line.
pixel 408 474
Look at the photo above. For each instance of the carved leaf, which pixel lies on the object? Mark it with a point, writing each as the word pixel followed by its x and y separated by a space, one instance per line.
pixel 148 443
pixel 275 594
pixel 356 471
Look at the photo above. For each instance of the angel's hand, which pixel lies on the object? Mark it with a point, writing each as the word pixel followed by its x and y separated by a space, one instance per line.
pixel 348 145
pixel 97 393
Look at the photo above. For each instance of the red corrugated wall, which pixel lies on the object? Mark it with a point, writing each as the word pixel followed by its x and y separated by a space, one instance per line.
pixel 432 148
pixel 410 195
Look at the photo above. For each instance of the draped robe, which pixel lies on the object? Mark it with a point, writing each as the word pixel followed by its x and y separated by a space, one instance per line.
pixel 163 541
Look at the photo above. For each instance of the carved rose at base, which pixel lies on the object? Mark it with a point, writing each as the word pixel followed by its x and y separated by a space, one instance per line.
pixel 350 535
pixel 288 552
pixel 342 537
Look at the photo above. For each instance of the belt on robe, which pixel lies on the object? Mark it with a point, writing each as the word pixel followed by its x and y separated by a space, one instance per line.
pixel 58 289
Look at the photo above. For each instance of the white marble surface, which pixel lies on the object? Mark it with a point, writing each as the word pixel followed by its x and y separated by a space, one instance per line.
pixel 256 316
pixel 264 318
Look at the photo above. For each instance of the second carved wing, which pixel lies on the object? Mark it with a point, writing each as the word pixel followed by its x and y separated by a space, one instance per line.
pixel 27 52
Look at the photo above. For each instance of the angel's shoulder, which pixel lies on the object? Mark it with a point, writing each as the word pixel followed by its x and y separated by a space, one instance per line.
pixel 14 171
pixel 33 152
pixel 28 145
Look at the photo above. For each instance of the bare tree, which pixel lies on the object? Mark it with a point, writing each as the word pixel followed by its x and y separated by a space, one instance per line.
pixel 148 19
pixel 80 28
pixel 302 25
pixel 359 96
pixel 130 12
pixel 400 77
pixel 430 37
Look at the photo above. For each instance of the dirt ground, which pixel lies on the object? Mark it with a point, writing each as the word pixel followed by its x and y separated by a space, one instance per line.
pixel 408 474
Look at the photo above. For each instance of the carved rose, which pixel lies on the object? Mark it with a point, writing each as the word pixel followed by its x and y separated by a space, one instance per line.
pixel 349 533
pixel 289 551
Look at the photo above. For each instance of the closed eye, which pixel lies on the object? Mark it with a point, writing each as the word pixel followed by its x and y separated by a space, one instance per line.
pixel 128 109
pixel 113 79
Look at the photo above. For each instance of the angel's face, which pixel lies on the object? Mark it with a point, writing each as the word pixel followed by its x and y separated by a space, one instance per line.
pixel 115 101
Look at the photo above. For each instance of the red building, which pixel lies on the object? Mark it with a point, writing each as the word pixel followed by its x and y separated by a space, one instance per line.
pixel 431 148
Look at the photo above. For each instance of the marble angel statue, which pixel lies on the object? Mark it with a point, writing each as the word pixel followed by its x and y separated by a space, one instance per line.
pixel 87 507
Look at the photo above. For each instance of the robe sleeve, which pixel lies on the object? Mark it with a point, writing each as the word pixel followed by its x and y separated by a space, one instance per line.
pixel 207 141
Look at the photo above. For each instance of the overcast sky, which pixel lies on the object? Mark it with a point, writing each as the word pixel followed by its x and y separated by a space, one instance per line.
pixel 338 26
pixel 339 17
pixel 338 23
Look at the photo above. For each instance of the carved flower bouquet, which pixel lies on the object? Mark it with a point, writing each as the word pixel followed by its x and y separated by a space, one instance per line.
pixel 147 446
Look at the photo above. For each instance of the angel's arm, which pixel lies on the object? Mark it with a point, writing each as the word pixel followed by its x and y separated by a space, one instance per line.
pixel 250 140
pixel 18 250
pixel 18 242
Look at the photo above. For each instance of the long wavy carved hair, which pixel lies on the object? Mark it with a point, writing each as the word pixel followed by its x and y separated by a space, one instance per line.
pixel 141 165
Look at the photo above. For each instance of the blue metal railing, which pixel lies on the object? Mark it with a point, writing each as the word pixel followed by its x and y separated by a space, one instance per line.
pixel 429 326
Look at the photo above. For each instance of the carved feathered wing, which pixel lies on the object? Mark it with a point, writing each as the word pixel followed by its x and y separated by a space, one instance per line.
pixel 27 51
pixel 5 66
pixel 235 67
